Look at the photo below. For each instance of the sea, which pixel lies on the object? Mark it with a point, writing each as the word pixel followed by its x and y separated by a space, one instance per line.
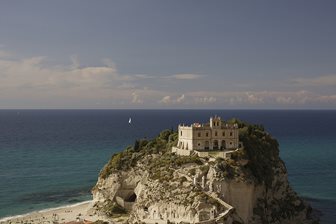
pixel 52 158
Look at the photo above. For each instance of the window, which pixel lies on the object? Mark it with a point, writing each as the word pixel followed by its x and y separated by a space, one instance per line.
pixel 223 133
pixel 199 144
pixel 199 134
pixel 215 133
pixel 181 133
pixel 206 146
pixel 231 133
pixel 207 134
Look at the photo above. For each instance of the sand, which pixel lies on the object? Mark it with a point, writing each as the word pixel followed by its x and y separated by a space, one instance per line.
pixel 76 212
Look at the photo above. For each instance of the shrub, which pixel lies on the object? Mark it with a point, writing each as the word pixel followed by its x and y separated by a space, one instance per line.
pixel 192 171
pixel 183 179
pixel 262 152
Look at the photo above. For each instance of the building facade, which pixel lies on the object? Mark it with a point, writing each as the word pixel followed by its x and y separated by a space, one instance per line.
pixel 213 136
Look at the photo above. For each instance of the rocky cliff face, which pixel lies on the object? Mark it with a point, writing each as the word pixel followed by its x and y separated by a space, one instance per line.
pixel 151 185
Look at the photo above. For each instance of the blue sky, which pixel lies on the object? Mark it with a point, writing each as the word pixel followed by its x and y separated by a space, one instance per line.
pixel 168 54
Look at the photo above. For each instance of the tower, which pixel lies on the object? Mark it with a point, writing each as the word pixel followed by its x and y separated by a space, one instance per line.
pixel 215 122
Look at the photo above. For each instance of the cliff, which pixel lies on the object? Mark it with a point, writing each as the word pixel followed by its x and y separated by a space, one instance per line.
pixel 147 183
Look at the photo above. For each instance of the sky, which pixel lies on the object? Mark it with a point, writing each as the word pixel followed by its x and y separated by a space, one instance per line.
pixel 155 54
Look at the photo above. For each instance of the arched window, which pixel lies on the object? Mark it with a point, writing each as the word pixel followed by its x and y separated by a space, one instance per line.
pixel 223 145
pixel 215 145
pixel 206 145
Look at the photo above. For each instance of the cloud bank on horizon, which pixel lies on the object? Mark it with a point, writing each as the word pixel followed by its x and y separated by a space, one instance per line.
pixel 29 81
pixel 177 61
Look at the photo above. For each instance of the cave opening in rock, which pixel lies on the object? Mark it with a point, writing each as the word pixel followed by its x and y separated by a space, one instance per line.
pixel 132 198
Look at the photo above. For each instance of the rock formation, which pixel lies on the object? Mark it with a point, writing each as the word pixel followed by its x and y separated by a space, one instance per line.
pixel 149 184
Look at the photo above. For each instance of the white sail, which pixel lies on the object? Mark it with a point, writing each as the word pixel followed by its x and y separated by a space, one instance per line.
pixel 130 120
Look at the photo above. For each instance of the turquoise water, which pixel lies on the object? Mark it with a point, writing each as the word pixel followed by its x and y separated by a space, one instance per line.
pixel 50 158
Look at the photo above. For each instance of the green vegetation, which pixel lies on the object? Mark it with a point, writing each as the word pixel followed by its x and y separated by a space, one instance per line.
pixel 159 166
pixel 260 152
pixel 284 208
pixel 132 154
pixel 227 170
pixel 257 162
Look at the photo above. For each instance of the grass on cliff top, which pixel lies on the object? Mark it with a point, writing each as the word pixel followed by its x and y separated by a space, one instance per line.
pixel 260 150
pixel 131 155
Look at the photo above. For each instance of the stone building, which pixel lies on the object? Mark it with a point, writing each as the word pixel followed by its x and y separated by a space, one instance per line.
pixel 216 135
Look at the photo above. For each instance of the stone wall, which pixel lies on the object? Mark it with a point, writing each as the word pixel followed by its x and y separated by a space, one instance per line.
pixel 181 152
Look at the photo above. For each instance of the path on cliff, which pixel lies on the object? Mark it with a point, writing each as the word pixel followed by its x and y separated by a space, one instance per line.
pixel 214 196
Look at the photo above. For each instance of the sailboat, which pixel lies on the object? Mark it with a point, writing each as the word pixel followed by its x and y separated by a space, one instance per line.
pixel 130 120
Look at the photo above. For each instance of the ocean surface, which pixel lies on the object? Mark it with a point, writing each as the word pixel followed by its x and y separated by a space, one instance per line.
pixel 51 158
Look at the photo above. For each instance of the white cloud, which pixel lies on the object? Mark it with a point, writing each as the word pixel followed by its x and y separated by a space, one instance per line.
pixel 4 54
pixel 136 99
pixel 254 98
pixel 31 72
pixel 169 100
pixel 166 100
pixel 163 77
pixel 327 99
pixel 75 62
pixel 185 76
pixel 144 76
pixel 328 80
pixel 263 98
pixel 180 99
pixel 285 100
pixel 32 80
pixel 205 100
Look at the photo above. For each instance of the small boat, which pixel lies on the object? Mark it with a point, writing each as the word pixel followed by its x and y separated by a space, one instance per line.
pixel 130 120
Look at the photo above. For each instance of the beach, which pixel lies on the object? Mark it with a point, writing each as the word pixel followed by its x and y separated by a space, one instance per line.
pixel 77 212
